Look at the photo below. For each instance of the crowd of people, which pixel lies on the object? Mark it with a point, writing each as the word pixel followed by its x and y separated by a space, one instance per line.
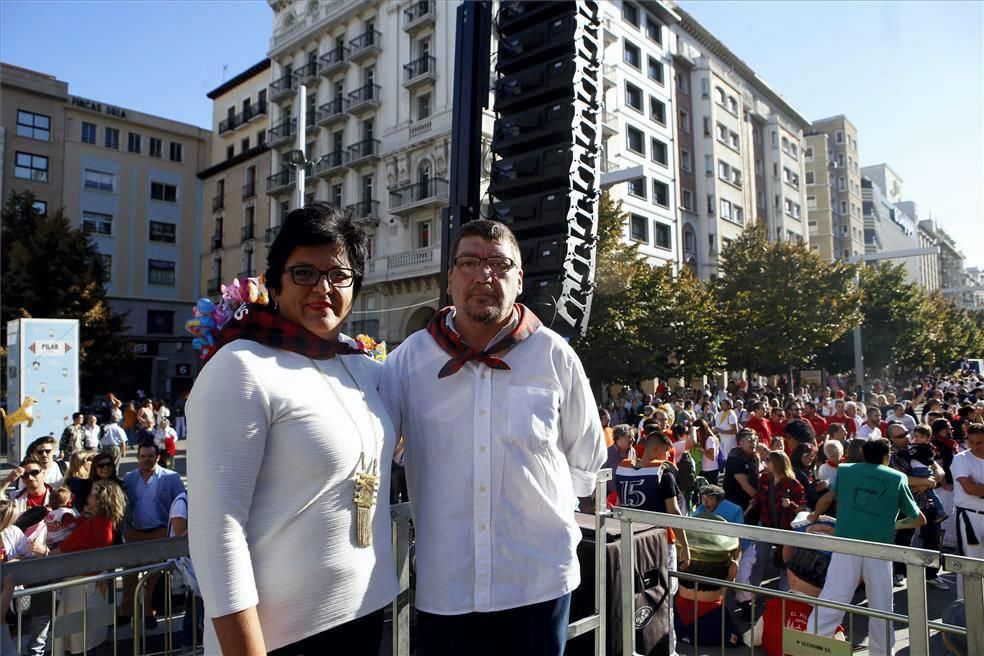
pixel 784 460
pixel 67 495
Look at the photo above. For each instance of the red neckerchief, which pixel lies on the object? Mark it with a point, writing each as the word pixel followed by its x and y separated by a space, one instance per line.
pixel 461 353
pixel 833 464
pixel 261 324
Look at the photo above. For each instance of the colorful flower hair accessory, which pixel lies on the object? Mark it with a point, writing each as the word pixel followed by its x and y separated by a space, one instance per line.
pixel 210 316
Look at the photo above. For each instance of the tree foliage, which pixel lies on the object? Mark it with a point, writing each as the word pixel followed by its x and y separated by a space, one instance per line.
pixel 52 270
pixel 778 303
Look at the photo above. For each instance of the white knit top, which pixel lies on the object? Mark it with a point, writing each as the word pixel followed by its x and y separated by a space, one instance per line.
pixel 273 448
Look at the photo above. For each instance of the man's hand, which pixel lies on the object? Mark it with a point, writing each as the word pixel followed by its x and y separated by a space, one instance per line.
pixel 683 558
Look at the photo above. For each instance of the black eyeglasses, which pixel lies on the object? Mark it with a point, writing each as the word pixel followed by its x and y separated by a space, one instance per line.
pixel 309 276
pixel 471 263
pixel 43 450
pixel 31 473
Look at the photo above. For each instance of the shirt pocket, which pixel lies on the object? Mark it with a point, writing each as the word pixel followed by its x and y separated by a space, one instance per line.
pixel 534 417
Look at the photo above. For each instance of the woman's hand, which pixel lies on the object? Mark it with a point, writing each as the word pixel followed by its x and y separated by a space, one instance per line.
pixel 38 548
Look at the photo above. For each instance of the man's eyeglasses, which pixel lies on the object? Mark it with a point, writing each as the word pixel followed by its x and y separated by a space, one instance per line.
pixel 471 263
pixel 31 473
pixel 309 276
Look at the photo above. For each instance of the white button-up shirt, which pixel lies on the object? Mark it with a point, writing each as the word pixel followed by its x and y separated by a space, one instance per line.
pixel 495 460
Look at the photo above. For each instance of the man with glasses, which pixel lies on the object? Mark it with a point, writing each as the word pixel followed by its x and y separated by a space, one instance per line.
pixel 502 437
pixel 43 449
pixel 34 492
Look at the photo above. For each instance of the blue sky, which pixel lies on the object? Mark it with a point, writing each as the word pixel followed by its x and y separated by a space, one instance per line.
pixel 910 75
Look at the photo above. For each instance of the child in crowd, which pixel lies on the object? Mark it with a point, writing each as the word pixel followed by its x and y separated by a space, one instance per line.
pixel 921 460
pixel 834 452
pixel 61 519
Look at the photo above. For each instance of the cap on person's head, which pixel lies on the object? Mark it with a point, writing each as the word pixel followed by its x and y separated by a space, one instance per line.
pixel 711 547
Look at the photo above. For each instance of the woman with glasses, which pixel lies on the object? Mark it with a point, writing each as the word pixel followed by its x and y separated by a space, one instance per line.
pixel 77 478
pixel 288 397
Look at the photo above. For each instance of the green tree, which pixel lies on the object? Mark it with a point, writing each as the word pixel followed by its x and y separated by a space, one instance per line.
pixel 778 303
pixel 52 270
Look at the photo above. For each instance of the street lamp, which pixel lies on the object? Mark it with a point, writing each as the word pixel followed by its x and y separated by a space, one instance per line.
pixel 874 257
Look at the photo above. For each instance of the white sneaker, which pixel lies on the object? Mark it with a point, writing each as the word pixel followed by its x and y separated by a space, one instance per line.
pixel 938 583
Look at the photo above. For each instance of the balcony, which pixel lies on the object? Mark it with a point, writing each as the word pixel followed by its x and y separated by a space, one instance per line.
pixel 307 73
pixel 333 112
pixel 427 193
pixel 419 15
pixel 249 190
pixel 609 124
pixel 246 233
pixel 282 132
pixel 409 264
pixel 331 163
pixel 216 242
pixel 285 87
pixel 271 234
pixel 311 122
pixel 364 152
pixel 365 45
pixel 218 202
pixel 334 60
pixel 608 76
pixel 213 286
pixel 281 181
pixel 419 72
pixel 230 123
pixel 364 99
pixel 365 211
pixel 253 111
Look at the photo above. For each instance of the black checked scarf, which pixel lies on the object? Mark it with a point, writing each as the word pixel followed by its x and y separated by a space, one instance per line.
pixel 262 324
pixel 461 353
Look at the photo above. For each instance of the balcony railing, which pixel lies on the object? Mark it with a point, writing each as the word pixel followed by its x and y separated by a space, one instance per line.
pixel 271 234
pixel 216 242
pixel 249 190
pixel 230 123
pixel 364 210
pixel 365 44
pixel 366 149
pixel 307 71
pixel 213 286
pixel 282 131
pixel 419 70
pixel 418 14
pixel 251 112
pixel 333 60
pixel 408 264
pixel 418 193
pixel 218 202
pixel 281 180
pixel 331 162
pixel 247 232
pixel 364 97
pixel 283 87
pixel 333 110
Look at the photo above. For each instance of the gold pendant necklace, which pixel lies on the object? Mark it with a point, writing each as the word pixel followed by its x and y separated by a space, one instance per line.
pixel 367 473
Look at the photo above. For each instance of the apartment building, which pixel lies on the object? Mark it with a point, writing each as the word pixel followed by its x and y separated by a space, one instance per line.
pixel 887 228
pixel 746 158
pixel 929 265
pixel 379 83
pixel 833 180
pixel 236 226
pixel 128 179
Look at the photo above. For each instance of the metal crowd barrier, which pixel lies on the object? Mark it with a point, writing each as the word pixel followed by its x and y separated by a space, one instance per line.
pixel 916 560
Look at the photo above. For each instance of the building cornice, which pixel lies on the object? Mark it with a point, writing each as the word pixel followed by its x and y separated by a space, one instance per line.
pixel 244 156
pixel 250 72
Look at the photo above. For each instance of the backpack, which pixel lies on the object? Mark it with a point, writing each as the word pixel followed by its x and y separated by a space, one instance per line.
pixel 686 474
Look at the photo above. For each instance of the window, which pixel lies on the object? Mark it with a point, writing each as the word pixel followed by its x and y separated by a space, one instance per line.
pixel 630 14
pixel 261 137
pixel 634 142
pixel 160 272
pixel 28 166
pixel 163 231
pixel 808 154
pixel 810 178
pixel 96 223
pixel 637 187
pixel 176 154
pixel 841 184
pixel 737 214
pixel 424 234
pixel 661 193
pixel 722 133
pixel 840 160
pixel 729 173
pixel 684 121
pixel 160 322
pixel 88 133
pixel 133 142
pixel 792 209
pixel 155 147
pixel 107 262
pixel 336 195
pixel 707 126
pixel 733 105
pixel 686 163
pixel 661 235
pixel 654 30
pixel 689 240
pixel 843 208
pixel 790 177
pixel 230 151
pixel 705 87
pixel 839 137
pixel 725 209
pixel 163 191
pixel 811 202
pixel 759 167
pixel 721 96
pixel 708 165
pixel 244 145
pixel 633 96
pixel 41 207
pixel 639 228
pixel 688 199
pixel 631 54
pixel 99 180
pixel 657 110
pixel 710 204
pixel 658 151
pixel 775 138
pixel 33 126
pixel 111 138
pixel 682 84
pixel 734 141
pixel 423 106
pixel 655 70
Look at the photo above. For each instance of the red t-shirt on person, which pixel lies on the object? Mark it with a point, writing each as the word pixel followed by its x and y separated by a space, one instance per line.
pixel 777 427
pixel 849 424
pixel 39 500
pixel 760 426
pixel 819 426
pixel 89 533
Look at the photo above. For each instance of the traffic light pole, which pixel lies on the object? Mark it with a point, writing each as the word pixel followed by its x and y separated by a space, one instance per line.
pixel 471 96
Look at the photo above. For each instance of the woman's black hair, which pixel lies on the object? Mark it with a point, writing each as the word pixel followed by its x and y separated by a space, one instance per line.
pixel 313 225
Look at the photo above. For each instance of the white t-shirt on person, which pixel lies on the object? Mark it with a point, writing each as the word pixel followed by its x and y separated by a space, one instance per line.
pixel 729 422
pixel 966 464
pixel 710 464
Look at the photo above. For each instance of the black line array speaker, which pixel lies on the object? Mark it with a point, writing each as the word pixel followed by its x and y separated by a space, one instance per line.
pixel 546 146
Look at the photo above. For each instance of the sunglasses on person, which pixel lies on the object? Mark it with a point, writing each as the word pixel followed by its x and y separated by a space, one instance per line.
pixel 105 463
pixel 30 473
pixel 306 275
pixel 44 451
